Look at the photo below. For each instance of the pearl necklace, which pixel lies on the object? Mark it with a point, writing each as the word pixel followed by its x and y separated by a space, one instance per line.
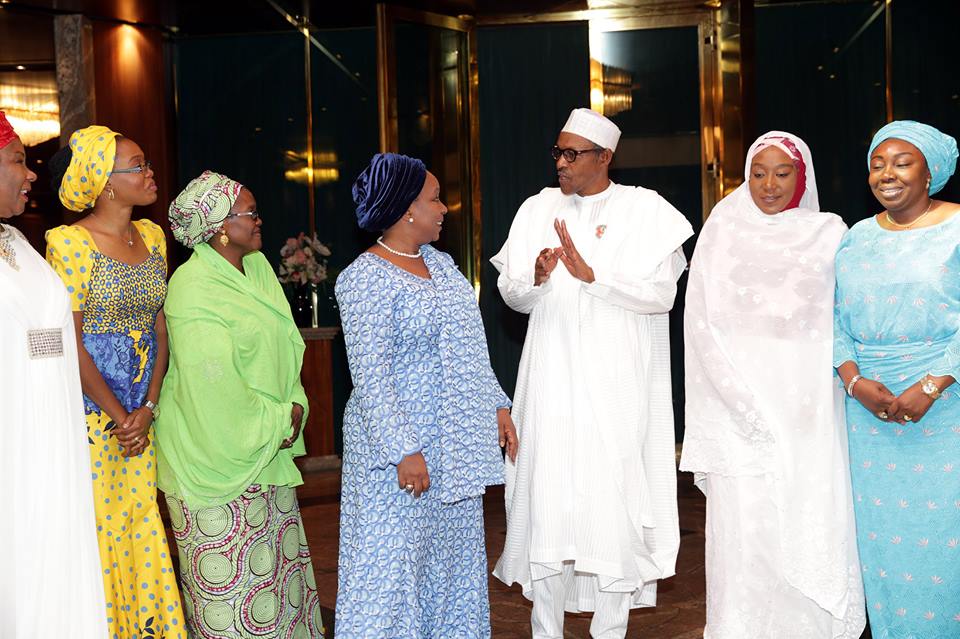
pixel 906 226
pixel 396 252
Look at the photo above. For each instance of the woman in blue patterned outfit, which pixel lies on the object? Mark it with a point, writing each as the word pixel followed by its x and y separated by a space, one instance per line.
pixel 421 426
pixel 897 349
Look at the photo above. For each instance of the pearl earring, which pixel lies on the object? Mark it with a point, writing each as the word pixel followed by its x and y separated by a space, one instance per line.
pixel 410 219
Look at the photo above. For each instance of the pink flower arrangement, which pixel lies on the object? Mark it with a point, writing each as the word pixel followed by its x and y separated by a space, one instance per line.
pixel 303 260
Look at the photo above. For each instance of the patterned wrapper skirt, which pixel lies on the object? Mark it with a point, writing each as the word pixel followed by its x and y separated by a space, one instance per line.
pixel 245 567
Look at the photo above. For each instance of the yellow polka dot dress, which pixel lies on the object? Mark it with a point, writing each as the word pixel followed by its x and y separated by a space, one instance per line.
pixel 120 303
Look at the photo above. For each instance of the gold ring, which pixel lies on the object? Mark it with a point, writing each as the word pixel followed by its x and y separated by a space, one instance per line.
pixel 907 418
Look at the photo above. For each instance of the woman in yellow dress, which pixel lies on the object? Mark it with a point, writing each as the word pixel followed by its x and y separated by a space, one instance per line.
pixel 115 272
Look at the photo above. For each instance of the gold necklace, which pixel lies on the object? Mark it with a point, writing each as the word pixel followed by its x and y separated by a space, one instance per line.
pixel 7 254
pixel 129 230
pixel 906 226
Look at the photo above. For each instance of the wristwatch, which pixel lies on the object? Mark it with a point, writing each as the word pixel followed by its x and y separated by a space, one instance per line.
pixel 930 388
pixel 153 407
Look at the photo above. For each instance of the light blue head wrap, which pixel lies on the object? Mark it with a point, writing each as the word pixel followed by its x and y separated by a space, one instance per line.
pixel 939 149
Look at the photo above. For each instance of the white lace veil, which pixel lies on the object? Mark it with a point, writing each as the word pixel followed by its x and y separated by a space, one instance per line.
pixel 760 395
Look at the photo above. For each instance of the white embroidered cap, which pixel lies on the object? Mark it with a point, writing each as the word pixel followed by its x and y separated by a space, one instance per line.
pixel 594 127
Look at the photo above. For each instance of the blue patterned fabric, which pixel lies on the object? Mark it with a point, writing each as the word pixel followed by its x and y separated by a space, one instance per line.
pixel 118 324
pixel 422 382
pixel 385 189
pixel 897 316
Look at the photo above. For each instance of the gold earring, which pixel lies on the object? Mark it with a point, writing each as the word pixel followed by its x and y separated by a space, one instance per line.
pixel 224 240
pixel 110 193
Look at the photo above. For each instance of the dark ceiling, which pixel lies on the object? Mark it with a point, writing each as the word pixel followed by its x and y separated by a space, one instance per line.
pixel 237 16
pixel 208 17
pixel 204 17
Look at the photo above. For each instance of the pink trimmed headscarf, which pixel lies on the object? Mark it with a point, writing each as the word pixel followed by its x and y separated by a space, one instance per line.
pixel 786 145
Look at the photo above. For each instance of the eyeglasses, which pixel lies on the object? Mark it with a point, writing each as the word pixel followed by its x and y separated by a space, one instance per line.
pixel 255 215
pixel 140 168
pixel 571 155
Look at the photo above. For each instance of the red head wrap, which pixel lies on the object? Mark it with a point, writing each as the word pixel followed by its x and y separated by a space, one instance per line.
pixel 7 134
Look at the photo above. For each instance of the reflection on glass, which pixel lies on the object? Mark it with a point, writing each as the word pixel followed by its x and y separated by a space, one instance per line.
pixel 345 135
pixel 247 119
pixel 29 98
pixel 433 123
pixel 926 85
pixel 828 88
pixel 648 82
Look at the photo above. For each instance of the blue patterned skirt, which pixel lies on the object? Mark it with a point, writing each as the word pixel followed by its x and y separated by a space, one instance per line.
pixel 906 485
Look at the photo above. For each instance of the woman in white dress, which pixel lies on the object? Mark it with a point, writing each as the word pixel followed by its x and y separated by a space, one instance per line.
pixel 765 432
pixel 50 585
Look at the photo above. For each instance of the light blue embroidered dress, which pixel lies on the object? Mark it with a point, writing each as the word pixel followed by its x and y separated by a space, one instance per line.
pixel 415 568
pixel 897 316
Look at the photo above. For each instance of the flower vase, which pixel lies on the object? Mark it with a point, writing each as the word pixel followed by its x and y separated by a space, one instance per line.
pixel 301 305
pixel 313 305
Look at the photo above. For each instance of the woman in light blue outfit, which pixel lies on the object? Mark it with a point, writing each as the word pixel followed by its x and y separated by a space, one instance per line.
pixel 897 350
pixel 421 426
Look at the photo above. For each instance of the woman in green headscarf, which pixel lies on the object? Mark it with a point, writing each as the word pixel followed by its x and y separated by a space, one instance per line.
pixel 228 425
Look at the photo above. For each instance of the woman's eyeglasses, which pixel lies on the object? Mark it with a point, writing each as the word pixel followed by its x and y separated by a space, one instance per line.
pixel 253 214
pixel 140 168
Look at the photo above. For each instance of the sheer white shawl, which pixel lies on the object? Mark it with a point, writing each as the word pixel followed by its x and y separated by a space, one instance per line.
pixel 760 395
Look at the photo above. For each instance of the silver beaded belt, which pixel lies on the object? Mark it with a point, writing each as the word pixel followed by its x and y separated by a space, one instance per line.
pixel 45 342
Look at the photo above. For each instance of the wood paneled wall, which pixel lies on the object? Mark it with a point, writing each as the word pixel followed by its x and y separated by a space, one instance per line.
pixel 132 99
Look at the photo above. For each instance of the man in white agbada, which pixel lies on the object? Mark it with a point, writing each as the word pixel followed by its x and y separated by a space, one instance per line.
pixel 591 500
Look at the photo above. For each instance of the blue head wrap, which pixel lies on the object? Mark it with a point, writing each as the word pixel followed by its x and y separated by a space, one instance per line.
pixel 939 149
pixel 386 188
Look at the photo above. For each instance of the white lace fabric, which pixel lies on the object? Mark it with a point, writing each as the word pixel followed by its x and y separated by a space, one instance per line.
pixel 761 399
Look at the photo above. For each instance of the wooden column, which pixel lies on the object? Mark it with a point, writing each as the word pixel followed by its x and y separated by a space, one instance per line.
pixel 73 35
pixel 132 100
pixel 317 378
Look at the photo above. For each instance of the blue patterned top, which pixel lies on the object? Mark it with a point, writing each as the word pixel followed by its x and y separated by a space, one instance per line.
pixel 421 372
pixel 898 299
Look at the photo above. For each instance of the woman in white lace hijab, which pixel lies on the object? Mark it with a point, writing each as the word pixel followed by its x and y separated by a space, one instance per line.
pixel 765 432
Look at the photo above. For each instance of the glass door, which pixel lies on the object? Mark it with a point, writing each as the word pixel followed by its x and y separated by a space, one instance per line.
pixel 653 77
pixel 427 89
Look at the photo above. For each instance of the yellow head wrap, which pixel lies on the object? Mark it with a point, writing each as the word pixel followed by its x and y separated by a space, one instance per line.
pixel 93 151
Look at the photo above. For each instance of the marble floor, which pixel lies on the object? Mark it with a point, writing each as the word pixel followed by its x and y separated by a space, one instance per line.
pixel 678 615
